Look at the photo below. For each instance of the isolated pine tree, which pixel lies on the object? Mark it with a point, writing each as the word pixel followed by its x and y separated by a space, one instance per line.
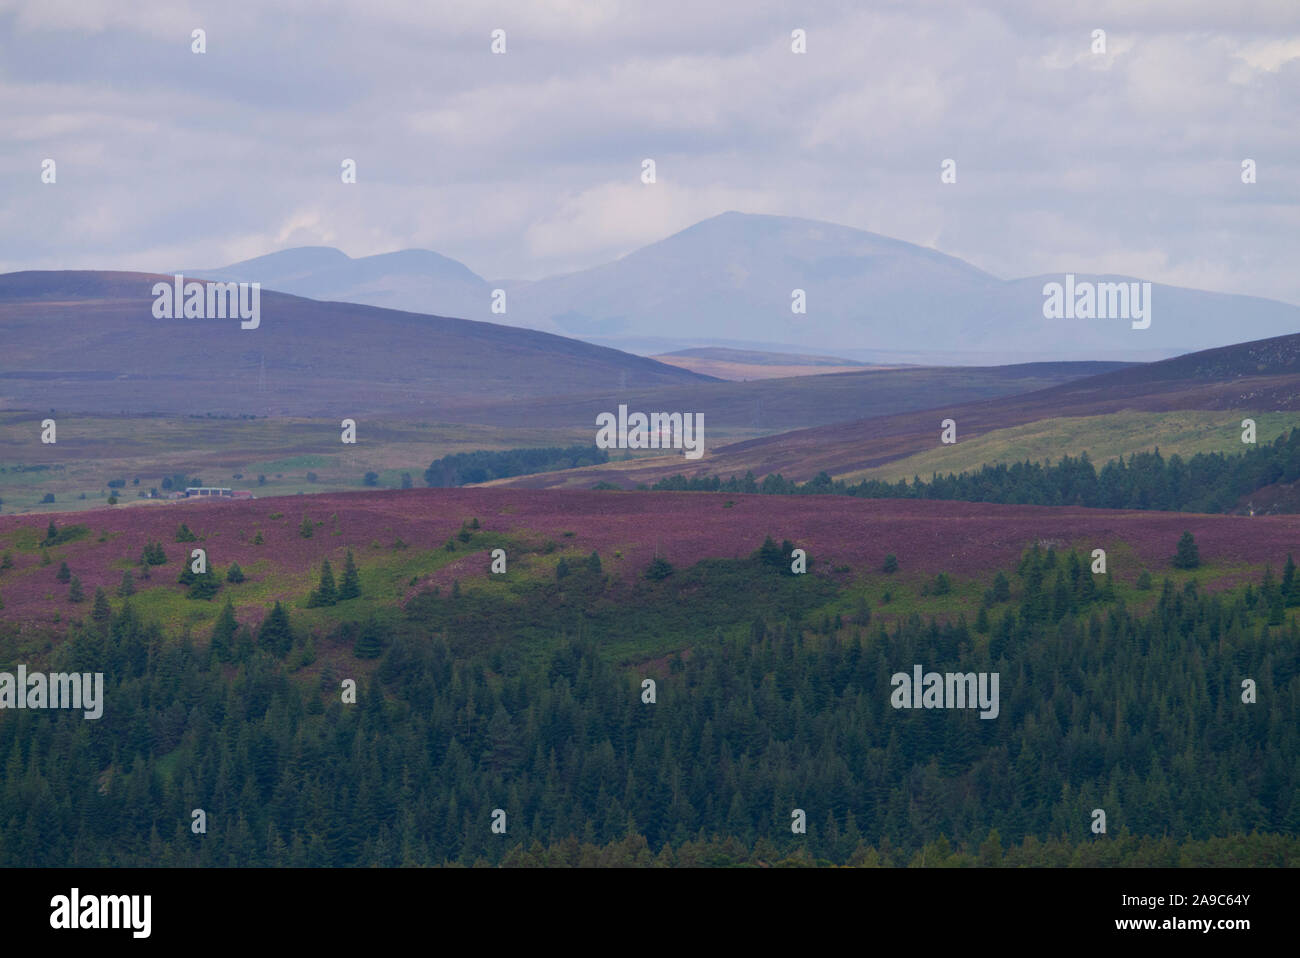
pixel 183 534
pixel 51 532
pixel 593 563
pixel 306 529
pixel 350 587
pixel 64 574
pixel 891 563
pixel 234 573
pixel 1187 556
pixel 74 591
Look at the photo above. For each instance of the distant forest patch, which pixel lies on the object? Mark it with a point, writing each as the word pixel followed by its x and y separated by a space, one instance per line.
pixel 466 468
pixel 1207 482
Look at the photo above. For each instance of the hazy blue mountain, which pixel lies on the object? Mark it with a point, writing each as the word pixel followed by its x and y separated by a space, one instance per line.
pixel 728 281
pixel 415 280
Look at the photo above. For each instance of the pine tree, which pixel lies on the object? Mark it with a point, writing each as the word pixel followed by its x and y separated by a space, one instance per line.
pixel 64 573
pixel 306 529
pixel 369 644
pixel 75 594
pixel 1001 588
pixel 7 562
pixel 660 568
pixel 891 564
pixel 275 634
pixel 183 534
pixel 769 553
pixel 127 588
pixel 223 633
pixel 101 612
pixel 561 569
pixel 51 532
pixel 350 587
pixel 593 563
pixel 1187 556
pixel 204 586
pixel 234 574
pixel 325 593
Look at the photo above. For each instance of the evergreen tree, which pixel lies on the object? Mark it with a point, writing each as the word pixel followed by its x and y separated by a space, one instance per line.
pixel 75 594
pixel 64 574
pixel 660 568
pixel 769 553
pixel 1001 588
pixel 51 532
pixel 325 593
pixel 593 563
pixel 183 534
pixel 275 634
pixel 306 529
pixel 234 574
pixel 102 611
pixel 204 586
pixel 7 562
pixel 1187 556
pixel 127 588
pixel 369 644
pixel 223 633
pixel 350 587
pixel 561 569
pixel 891 564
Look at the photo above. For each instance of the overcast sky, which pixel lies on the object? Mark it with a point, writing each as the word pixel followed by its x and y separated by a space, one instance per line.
pixel 528 163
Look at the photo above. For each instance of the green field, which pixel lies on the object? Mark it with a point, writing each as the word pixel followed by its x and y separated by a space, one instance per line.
pixel 1185 432
pixel 92 451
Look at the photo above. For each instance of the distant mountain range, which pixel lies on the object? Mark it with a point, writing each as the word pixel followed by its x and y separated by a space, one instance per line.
pixel 88 342
pixel 728 281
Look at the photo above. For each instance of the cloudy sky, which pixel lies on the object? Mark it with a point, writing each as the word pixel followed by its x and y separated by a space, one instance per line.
pixel 528 163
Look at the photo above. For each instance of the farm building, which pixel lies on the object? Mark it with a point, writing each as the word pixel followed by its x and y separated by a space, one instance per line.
pixel 204 491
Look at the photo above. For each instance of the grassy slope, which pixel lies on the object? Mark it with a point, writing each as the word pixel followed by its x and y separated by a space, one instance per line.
pixel 1102 437
pixel 93 450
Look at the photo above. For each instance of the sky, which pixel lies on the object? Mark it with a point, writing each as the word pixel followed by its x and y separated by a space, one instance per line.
pixel 528 163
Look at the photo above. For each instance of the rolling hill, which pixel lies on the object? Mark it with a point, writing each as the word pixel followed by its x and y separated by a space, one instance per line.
pixel 87 341
pixel 1261 376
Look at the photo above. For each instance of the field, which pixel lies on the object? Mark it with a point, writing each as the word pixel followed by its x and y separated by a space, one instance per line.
pixel 399 541
pixel 91 451
pixel 1185 432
